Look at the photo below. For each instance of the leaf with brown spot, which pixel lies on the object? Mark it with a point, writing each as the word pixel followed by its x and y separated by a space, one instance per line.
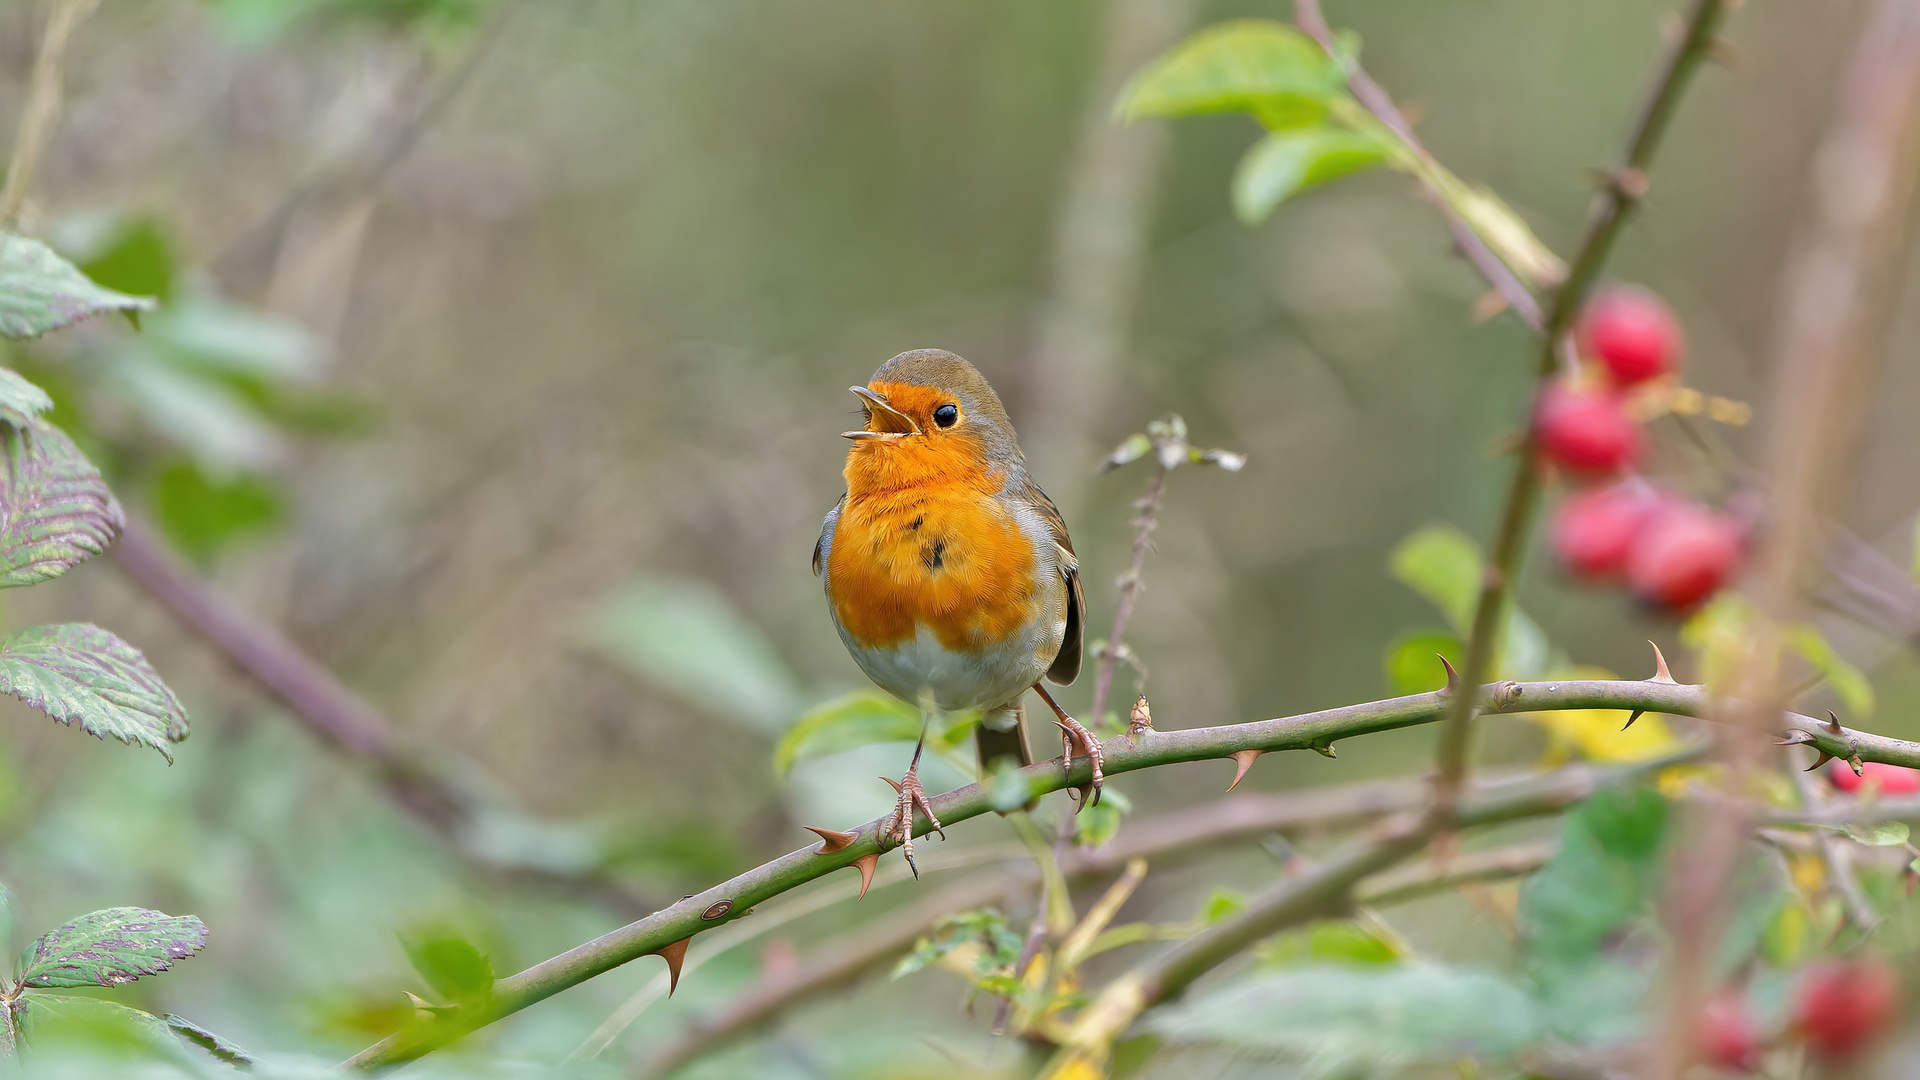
pixel 111 947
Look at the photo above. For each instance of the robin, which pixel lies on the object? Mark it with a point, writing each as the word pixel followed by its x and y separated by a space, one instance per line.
pixel 948 573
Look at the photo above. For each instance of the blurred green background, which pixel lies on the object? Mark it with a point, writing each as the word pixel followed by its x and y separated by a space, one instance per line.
pixel 522 344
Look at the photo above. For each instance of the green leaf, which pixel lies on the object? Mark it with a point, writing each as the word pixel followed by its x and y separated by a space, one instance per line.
pixel 1601 878
pixel 453 966
pixel 998 947
pixel 1413 660
pixel 1286 163
pixel 96 1024
pixel 1221 903
pixel 1242 66
pixel 1096 825
pixel 40 291
pixel 1442 564
pixel 134 258
pixel 204 514
pixel 861 718
pixel 1338 941
pixel 55 510
pixel 687 639
pixel 1884 834
pixel 20 400
pixel 1344 1019
pixel 221 1048
pixel 1847 681
pixel 111 947
pixel 77 672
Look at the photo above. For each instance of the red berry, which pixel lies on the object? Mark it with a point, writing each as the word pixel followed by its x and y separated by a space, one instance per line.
pixel 1632 333
pixel 1594 530
pixel 1586 430
pixel 1684 554
pixel 1842 1005
pixel 1728 1037
pixel 1891 779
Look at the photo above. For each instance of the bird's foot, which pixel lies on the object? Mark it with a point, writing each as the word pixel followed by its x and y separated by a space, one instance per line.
pixel 899 828
pixel 1074 738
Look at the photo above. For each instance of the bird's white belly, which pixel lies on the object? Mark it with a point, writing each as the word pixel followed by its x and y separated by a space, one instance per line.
pixel 957 680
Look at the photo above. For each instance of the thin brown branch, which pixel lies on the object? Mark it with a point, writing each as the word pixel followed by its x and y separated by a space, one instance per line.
pixel 1615 202
pixel 44 98
pixel 1834 853
pixel 1835 302
pixel 1144 522
pixel 1376 100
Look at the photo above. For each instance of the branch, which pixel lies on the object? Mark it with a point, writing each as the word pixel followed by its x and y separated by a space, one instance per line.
pixel 42 112
pixel 1318 730
pixel 1626 185
pixel 1325 891
pixel 1376 100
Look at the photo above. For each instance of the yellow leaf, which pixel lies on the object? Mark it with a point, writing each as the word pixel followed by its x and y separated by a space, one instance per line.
pixel 1602 734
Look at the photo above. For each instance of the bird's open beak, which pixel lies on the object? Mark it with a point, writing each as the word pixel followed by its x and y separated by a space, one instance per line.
pixel 886 422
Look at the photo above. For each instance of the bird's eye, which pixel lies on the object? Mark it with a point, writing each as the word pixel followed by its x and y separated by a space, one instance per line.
pixel 947 415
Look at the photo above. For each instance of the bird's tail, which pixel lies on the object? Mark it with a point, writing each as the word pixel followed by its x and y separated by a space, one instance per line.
pixel 1003 734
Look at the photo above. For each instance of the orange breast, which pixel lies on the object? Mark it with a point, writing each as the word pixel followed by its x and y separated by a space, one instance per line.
pixel 937 550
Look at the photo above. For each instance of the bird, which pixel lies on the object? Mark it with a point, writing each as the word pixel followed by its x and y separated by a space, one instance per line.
pixel 948 573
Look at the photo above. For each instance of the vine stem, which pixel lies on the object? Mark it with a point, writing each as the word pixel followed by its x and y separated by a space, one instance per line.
pixel 1143 525
pixel 1625 186
pixel 42 112
pixel 1154 748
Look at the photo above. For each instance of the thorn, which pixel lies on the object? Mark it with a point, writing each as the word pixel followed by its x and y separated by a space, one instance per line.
pixel 1453 677
pixel 1242 761
pixel 1323 751
pixel 1629 184
pixel 675 955
pixel 1489 304
pixel 1819 761
pixel 1795 738
pixel 1853 762
pixel 1660 672
pixel 830 840
pixel 1833 723
pixel 1636 715
pixel 866 863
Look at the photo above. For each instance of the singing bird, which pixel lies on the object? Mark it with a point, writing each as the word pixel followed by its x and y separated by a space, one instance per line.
pixel 948 573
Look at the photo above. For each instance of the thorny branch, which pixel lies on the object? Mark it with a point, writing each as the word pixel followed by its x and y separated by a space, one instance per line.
pixel 1625 186
pixel 1318 730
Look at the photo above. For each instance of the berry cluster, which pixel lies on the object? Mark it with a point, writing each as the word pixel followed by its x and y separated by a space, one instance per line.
pixel 1671 550
pixel 1840 1009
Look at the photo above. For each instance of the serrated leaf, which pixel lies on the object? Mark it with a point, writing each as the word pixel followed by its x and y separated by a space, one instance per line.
pixel 1442 564
pixel 220 1048
pixel 454 966
pixel 40 291
pixel 1249 65
pixel 1600 879
pixel 1286 163
pixel 857 719
pixel 1346 1019
pixel 20 400
pixel 1884 834
pixel 79 673
pixel 95 1023
pixel 55 510
pixel 111 947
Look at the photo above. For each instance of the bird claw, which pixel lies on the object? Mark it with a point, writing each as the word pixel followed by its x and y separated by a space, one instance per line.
pixel 1074 737
pixel 899 828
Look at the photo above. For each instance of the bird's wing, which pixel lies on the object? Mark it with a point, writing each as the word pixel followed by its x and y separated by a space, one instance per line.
pixel 1066 664
pixel 826 530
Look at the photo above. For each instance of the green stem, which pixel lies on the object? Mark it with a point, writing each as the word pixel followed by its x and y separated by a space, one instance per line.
pixel 1625 187
pixel 1316 730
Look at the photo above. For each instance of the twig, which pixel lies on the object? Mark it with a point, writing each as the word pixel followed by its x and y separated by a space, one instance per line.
pixel 42 112
pixel 1325 891
pixel 1472 868
pixel 1155 748
pixel 1835 302
pixel 1376 100
pixel 1626 185
pixel 1835 854
pixel 1143 525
